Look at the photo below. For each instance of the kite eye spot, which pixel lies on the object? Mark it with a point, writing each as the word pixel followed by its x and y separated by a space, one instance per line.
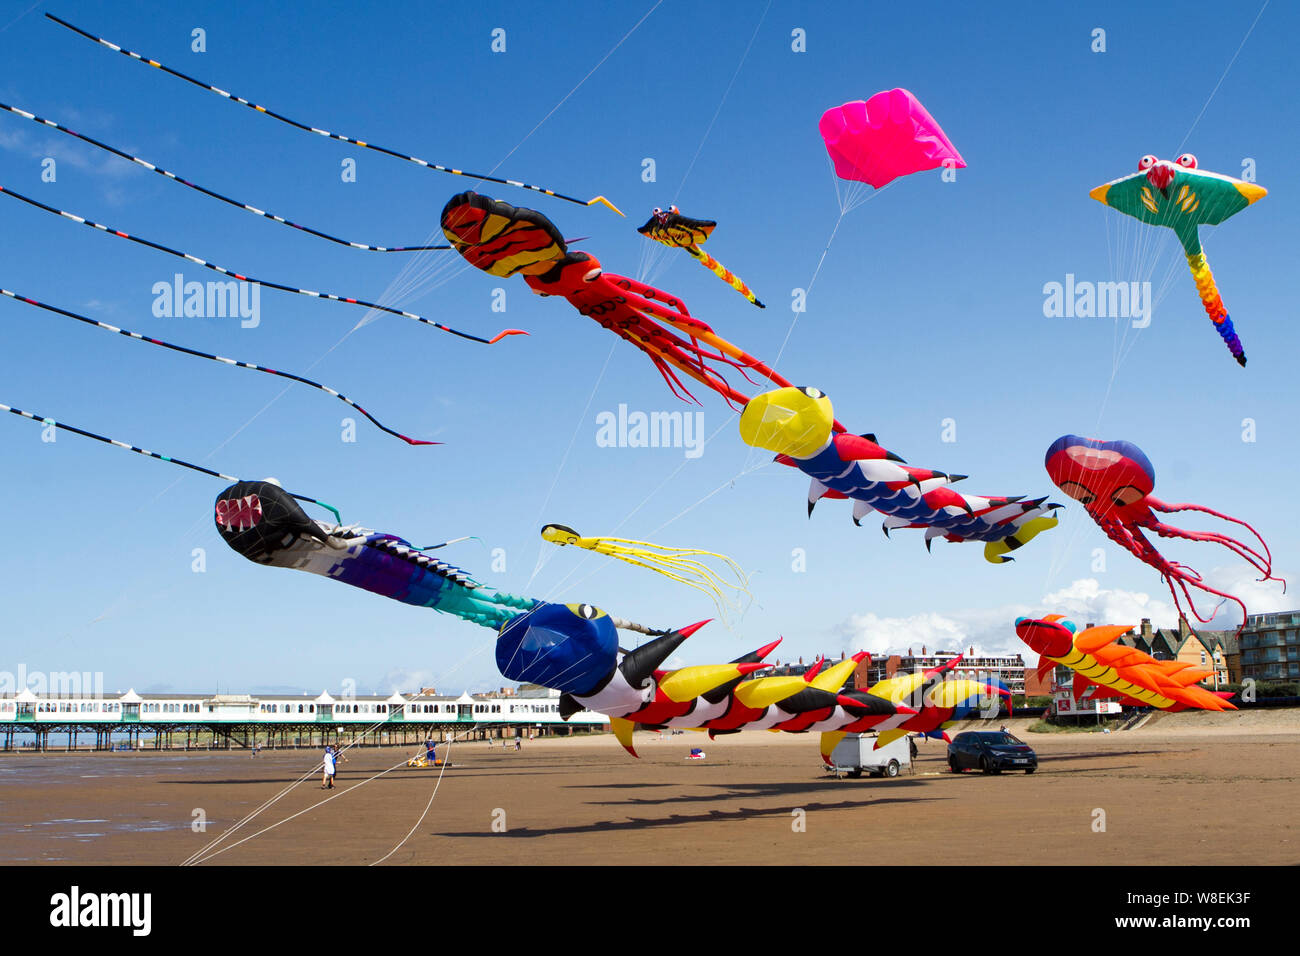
pixel 1187 161
pixel 674 210
pixel 813 392
pixel 657 211
pixel 1128 495
pixel 592 276
pixel 1077 491
pixel 586 611
pixel 1146 162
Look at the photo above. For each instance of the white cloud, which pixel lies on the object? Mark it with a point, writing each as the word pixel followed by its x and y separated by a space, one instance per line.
pixel 1260 597
pixel 407 681
pixel 992 631
pixel 66 152
pixel 1084 601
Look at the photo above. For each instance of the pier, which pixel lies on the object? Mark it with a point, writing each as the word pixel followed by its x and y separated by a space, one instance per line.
pixel 244 721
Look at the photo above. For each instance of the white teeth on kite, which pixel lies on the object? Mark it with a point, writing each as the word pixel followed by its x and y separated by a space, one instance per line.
pixel 239 514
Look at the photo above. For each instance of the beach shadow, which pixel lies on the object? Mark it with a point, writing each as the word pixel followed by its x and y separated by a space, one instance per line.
pixel 1091 770
pixel 730 791
pixel 1052 758
pixel 672 820
pixel 618 786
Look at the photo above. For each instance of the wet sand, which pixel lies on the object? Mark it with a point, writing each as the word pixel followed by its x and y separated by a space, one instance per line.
pixel 1185 789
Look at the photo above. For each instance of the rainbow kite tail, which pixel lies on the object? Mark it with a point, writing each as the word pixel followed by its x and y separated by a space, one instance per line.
pixel 723 273
pixel 1214 307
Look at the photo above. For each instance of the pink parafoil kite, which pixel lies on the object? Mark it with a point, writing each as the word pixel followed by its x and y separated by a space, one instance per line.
pixel 888 136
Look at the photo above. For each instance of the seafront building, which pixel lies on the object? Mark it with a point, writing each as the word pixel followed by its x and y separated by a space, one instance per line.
pixel 240 720
pixel 1009 669
pixel 1270 647
pixel 1218 651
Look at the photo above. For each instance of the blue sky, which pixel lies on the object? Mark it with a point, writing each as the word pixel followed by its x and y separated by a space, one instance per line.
pixel 928 306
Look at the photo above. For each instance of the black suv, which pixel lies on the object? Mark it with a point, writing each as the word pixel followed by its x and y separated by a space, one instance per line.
pixel 990 751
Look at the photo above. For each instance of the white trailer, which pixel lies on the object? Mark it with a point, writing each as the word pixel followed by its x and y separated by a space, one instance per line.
pixel 856 753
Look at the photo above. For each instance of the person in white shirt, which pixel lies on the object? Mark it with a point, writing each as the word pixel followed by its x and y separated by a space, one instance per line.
pixel 327 781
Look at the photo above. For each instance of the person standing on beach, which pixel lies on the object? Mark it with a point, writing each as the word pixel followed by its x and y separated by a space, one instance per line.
pixel 327 781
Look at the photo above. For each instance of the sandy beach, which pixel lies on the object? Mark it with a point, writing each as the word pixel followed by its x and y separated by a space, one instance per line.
pixel 1186 789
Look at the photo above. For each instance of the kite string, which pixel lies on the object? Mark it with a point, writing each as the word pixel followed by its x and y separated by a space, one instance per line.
pixel 176 481
pixel 1142 247
pixel 205 859
pixel 210 851
pixel 266 804
pixel 655 258
pixel 813 279
pixel 309 773
pixel 271 801
pixel 427 806
pixel 1140 250
pixel 645 267
pixel 749 466
pixel 821 260
pixel 722 102
pixel 388 295
pixel 582 416
pixel 566 96
pixel 402 282
pixel 1240 46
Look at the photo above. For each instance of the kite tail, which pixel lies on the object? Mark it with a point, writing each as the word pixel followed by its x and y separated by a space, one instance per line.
pixel 723 273
pixel 678 564
pixel 493 620
pixel 1183 579
pixel 1214 307
pixel 1242 551
pixel 487 609
pixel 1266 559
pixel 511 600
pixel 689 325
